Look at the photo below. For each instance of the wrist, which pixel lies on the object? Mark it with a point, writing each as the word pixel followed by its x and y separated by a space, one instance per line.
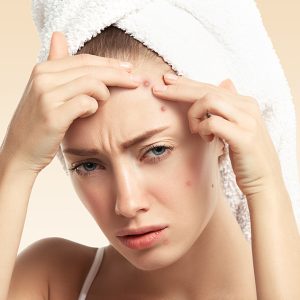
pixel 14 165
pixel 273 198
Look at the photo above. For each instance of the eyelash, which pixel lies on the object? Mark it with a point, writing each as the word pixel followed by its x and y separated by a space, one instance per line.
pixel 152 160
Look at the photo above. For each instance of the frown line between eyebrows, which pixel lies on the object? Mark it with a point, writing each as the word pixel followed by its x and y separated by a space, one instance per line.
pixel 125 145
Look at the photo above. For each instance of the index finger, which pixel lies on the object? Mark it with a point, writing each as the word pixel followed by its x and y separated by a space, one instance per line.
pixel 80 60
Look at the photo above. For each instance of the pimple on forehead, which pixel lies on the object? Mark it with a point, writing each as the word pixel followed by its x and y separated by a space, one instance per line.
pixel 146 82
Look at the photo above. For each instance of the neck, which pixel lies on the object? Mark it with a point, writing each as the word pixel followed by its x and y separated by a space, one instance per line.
pixel 218 263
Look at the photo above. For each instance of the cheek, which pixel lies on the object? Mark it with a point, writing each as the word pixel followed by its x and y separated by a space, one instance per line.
pixel 176 181
pixel 92 197
pixel 163 108
pixel 193 172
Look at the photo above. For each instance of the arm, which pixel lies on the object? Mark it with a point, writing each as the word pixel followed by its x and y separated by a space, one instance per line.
pixel 275 244
pixel 16 184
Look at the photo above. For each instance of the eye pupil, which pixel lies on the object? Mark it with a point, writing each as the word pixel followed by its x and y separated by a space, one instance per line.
pixel 159 149
pixel 89 164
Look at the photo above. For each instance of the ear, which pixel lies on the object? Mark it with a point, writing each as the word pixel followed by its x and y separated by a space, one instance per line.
pixel 58 46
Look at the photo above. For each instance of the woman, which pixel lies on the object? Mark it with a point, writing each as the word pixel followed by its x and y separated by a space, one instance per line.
pixel 200 252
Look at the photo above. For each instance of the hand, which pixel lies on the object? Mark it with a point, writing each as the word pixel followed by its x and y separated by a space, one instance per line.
pixel 237 120
pixel 59 90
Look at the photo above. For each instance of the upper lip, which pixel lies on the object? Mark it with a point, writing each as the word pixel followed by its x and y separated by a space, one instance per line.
pixel 132 231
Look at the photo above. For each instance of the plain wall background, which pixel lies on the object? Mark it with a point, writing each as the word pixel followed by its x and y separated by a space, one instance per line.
pixel 54 208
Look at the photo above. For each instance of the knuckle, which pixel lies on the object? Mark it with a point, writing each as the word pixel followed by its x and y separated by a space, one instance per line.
pixel 49 120
pixel 94 84
pixel 83 102
pixel 195 110
pixel 37 69
pixel 44 98
pixel 209 98
pixel 39 82
pixel 213 124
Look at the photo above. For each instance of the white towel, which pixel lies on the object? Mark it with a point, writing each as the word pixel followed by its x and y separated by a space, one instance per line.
pixel 207 40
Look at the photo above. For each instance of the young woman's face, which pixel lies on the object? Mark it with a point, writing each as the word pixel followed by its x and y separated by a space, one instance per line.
pixel 134 186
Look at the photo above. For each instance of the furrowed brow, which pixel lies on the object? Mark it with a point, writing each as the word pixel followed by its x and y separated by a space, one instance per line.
pixel 125 145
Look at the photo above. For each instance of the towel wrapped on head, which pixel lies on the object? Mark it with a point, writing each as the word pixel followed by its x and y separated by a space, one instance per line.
pixel 208 41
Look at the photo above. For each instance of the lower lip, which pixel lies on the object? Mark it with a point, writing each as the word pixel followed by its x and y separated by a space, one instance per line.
pixel 142 241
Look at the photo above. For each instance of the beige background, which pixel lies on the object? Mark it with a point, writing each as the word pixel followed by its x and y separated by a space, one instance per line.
pixel 54 208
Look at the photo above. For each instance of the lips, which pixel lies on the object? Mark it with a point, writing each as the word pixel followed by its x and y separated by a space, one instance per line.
pixel 140 231
pixel 144 240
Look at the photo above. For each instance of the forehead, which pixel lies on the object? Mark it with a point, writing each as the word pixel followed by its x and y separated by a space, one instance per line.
pixel 128 112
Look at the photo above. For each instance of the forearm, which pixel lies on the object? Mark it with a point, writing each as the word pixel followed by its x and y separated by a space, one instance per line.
pixel 15 188
pixel 275 244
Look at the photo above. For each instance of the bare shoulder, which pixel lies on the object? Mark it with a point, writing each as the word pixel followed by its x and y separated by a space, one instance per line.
pixel 51 268
pixel 68 267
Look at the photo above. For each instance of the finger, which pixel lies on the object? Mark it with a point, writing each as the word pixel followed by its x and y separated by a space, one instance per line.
pixel 108 75
pixel 180 79
pixel 190 92
pixel 59 58
pixel 58 46
pixel 174 89
pixel 228 85
pixel 216 104
pixel 80 106
pixel 84 85
pixel 186 90
pixel 224 129
pixel 80 60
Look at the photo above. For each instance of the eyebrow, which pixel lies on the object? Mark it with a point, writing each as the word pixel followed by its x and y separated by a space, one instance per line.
pixel 125 145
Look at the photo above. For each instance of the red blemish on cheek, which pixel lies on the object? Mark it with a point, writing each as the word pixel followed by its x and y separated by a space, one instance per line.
pixel 163 108
pixel 146 83
pixel 188 183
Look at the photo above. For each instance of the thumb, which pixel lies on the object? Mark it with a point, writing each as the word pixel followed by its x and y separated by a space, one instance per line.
pixel 58 46
pixel 228 84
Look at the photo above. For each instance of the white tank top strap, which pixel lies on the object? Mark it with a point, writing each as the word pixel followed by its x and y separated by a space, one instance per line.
pixel 91 274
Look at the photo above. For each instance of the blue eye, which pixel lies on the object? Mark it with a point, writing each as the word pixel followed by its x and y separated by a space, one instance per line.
pixel 160 152
pixel 88 167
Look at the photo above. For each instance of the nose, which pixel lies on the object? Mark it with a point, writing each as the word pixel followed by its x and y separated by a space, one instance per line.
pixel 130 197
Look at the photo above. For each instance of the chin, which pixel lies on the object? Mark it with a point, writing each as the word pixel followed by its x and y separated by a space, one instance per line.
pixel 154 258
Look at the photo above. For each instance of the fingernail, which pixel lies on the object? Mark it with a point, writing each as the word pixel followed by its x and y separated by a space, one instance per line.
pixel 159 88
pixel 171 76
pixel 126 64
pixel 136 78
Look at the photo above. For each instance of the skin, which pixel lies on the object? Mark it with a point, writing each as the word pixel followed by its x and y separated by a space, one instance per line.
pixel 123 192
pixel 214 251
